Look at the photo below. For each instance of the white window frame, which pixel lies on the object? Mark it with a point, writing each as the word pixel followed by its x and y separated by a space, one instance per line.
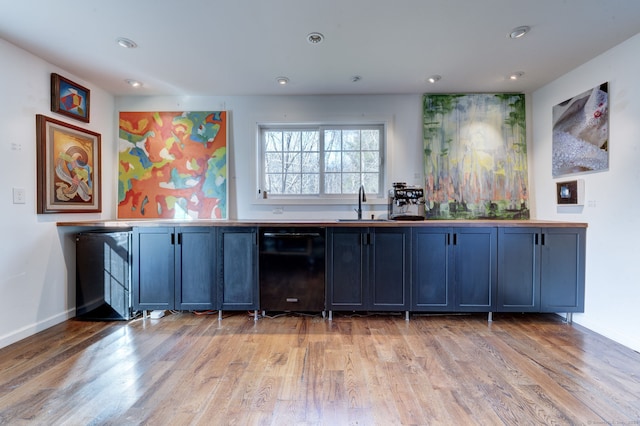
pixel 264 196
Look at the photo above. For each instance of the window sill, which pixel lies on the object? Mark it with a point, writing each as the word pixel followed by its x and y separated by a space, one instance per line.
pixel 275 201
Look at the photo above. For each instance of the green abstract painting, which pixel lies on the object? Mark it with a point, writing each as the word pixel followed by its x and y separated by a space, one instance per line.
pixel 475 156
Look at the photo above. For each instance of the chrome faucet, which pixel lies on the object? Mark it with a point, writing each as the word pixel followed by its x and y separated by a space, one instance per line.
pixel 362 198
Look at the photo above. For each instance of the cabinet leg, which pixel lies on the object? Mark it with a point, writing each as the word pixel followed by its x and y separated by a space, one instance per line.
pixel 406 315
pixel 255 315
pixel 330 315
pixel 220 315
pixel 145 314
pixel 490 317
pixel 569 318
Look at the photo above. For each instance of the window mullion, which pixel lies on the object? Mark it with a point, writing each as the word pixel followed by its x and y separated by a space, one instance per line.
pixel 321 155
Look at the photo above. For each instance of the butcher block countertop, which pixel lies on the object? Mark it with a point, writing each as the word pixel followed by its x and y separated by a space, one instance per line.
pixel 325 223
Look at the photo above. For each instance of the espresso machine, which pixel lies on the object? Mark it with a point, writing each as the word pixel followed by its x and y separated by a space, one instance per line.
pixel 406 202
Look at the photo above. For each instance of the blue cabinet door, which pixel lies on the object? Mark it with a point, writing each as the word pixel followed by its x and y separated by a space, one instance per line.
pixel 195 265
pixel 389 276
pixel 153 268
pixel 432 262
pixel 519 269
pixel 347 267
pixel 562 270
pixel 238 287
pixel 475 268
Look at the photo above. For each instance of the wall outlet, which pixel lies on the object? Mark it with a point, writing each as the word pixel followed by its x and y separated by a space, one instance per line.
pixel 19 196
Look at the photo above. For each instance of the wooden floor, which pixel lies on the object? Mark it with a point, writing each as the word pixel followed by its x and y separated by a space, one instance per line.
pixel 305 370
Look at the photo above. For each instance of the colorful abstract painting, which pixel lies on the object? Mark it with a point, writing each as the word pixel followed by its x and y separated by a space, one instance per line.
pixel 69 98
pixel 172 165
pixel 475 156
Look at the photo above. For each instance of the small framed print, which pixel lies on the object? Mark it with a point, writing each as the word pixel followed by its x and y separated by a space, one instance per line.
pixel 570 193
pixel 69 98
pixel 68 163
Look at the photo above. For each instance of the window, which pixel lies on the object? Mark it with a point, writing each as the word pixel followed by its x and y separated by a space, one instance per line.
pixel 321 161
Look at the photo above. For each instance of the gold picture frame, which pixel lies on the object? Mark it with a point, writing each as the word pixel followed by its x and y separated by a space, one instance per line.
pixel 68 168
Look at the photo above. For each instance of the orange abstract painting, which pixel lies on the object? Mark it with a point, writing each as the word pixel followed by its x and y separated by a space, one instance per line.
pixel 172 165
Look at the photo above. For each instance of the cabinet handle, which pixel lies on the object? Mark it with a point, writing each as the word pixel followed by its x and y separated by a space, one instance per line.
pixel 173 239
pixel 455 239
pixel 542 239
pixel 536 239
pixel 448 239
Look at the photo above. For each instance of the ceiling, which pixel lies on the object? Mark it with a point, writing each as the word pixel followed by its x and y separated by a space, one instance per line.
pixel 240 47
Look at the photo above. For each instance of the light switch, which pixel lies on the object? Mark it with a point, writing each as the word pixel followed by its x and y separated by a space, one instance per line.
pixel 19 196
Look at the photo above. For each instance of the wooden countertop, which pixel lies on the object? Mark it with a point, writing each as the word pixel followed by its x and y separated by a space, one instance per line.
pixel 323 223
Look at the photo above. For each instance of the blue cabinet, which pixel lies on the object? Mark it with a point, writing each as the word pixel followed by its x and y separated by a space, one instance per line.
pixel 195 265
pixel 347 273
pixel 432 286
pixel 541 269
pixel 238 286
pixel 368 269
pixel 454 269
pixel 519 269
pixel 381 268
pixel 174 268
pixel 390 260
pixel 562 269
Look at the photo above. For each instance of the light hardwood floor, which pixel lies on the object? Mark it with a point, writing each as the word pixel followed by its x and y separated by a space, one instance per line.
pixel 304 370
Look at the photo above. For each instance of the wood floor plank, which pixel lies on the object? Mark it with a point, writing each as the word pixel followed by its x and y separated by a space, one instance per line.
pixel 306 370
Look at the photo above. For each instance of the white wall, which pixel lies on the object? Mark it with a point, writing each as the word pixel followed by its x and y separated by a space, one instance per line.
pixel 613 259
pixel 401 113
pixel 36 290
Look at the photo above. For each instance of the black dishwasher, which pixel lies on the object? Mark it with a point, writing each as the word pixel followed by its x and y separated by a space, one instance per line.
pixel 291 265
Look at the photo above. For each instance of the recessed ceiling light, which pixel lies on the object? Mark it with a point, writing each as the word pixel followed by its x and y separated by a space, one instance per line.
pixel 133 83
pixel 516 75
pixel 315 38
pixel 282 81
pixel 434 79
pixel 126 43
pixel 519 31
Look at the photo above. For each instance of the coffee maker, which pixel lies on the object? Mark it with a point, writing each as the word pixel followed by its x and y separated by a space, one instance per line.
pixel 406 202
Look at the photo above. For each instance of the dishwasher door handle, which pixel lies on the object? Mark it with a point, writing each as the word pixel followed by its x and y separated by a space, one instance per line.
pixel 292 235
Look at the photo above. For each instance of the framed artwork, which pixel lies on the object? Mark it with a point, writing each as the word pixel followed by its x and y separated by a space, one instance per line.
pixel 475 156
pixel 581 133
pixel 172 165
pixel 69 98
pixel 68 164
pixel 570 193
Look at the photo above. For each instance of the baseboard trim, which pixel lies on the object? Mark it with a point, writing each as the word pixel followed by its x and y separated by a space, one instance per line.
pixel 37 327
